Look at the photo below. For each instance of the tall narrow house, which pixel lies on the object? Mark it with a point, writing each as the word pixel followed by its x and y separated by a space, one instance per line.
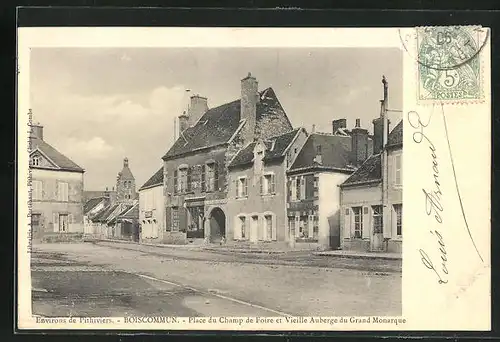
pixel 56 189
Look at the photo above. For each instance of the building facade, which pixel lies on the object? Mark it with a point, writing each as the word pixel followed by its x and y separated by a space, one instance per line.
pixel 151 209
pixel 196 166
pixel 56 189
pixel 364 226
pixel 257 188
pixel 323 164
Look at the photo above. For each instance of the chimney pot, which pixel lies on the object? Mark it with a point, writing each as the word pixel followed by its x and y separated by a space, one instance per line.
pixel 313 128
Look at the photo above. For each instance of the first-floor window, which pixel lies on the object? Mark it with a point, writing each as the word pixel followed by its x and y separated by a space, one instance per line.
pixel 267 184
pixel 62 191
pixel 377 219
pixel 358 222
pixel 37 190
pixel 242 188
pixel 398 209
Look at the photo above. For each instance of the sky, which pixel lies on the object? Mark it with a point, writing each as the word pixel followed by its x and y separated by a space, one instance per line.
pixel 100 105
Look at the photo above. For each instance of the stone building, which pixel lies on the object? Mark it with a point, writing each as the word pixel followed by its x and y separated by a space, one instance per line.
pixel 257 188
pixel 56 189
pixel 325 161
pixel 195 168
pixel 151 208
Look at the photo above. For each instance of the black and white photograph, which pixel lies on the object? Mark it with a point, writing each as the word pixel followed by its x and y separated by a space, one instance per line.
pixel 231 186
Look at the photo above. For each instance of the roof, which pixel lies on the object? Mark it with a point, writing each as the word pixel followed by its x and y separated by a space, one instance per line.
pixel 275 148
pixel 218 125
pixel 395 138
pixel 60 160
pixel 156 179
pixel 103 215
pixel 132 212
pixel 122 211
pixel 125 173
pixel 91 204
pixel 369 171
pixel 335 152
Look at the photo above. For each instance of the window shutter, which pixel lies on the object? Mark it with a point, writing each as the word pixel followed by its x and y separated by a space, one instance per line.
pixel 237 228
pixel 273 184
pixel 310 225
pixel 55 221
pixel 246 187
pixel 262 179
pixel 273 230
pixel 175 181
pixel 182 219
pixel 309 186
pixel 289 189
pixel 347 223
pixel 203 176
pixel 297 226
pixel 365 230
pixel 188 177
pixel 168 226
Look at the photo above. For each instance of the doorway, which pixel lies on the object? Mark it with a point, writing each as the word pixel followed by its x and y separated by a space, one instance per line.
pixel 217 224
pixel 254 229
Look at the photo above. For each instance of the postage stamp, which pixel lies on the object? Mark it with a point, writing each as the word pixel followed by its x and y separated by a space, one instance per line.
pixel 449 63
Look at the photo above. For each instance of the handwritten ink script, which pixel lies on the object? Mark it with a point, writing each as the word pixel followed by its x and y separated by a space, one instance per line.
pixel 432 197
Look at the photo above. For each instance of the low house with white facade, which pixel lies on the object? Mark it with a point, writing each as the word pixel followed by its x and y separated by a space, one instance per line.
pixel 152 209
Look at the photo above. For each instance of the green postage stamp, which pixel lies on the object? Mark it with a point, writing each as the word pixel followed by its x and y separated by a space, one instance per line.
pixel 449 63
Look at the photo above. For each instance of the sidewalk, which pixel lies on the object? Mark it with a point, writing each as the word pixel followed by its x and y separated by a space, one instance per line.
pixel 160 245
pixel 360 255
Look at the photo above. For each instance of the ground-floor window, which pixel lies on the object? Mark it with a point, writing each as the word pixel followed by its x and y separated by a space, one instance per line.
pixel 241 227
pixel 398 210
pixel 358 222
pixel 174 219
pixel 63 223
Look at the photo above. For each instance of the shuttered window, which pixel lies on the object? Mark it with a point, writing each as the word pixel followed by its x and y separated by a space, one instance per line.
pixel 62 191
pixel 37 190
pixel 397 170
pixel 176 182
pixel 267 184
pixel 377 219
pixel 358 222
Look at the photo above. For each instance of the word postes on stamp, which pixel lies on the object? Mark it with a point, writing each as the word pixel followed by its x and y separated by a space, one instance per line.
pixel 449 63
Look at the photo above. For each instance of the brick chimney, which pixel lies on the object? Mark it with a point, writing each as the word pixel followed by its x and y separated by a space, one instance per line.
pixel 36 131
pixel 359 144
pixel 249 99
pixel 183 121
pixel 340 123
pixel 378 131
pixel 197 108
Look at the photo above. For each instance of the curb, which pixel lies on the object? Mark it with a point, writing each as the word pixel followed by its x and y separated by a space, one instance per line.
pixel 242 251
pixel 185 247
pixel 353 256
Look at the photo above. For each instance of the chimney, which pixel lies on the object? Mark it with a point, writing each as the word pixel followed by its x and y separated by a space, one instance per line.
pixel 197 108
pixel 313 130
pixel 359 144
pixel 340 123
pixel 36 131
pixel 249 98
pixel 183 122
pixel 378 130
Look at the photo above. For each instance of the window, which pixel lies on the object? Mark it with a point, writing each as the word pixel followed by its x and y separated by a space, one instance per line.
pixel 315 226
pixel 35 161
pixel 267 184
pixel 63 222
pixel 318 149
pixel 377 219
pixel 175 219
pixel 37 190
pixel 242 188
pixel 398 209
pixel 397 170
pixel 243 226
pixel 358 222
pixel 62 191
pixel 181 177
pixel 303 227
pixel 210 177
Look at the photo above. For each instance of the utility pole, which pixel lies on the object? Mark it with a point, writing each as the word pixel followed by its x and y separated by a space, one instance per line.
pixel 385 165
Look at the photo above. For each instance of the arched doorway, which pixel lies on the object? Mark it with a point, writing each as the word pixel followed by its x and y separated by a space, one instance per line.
pixel 217 224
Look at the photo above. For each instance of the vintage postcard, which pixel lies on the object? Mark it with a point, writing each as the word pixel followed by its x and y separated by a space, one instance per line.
pixel 254 178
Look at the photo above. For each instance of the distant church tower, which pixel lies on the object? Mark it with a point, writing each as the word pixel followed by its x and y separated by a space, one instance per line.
pixel 125 184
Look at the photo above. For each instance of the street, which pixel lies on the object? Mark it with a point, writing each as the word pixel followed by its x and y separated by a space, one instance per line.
pixel 115 279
